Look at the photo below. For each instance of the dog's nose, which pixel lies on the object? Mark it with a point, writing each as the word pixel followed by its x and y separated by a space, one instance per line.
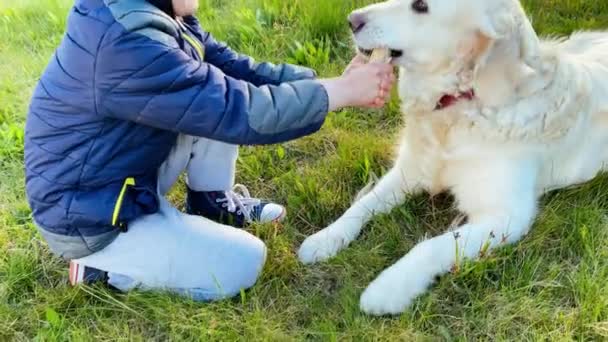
pixel 357 22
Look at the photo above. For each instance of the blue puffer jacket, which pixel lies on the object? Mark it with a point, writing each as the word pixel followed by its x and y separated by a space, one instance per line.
pixel 125 81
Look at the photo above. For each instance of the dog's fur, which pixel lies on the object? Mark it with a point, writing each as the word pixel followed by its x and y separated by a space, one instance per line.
pixel 539 121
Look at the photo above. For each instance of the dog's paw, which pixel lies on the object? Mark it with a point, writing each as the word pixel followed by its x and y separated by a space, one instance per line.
pixel 393 291
pixel 320 246
pixel 379 299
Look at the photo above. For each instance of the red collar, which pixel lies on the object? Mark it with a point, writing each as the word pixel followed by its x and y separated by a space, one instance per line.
pixel 449 100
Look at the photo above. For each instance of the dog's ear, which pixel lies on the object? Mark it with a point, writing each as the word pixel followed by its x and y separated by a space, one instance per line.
pixel 496 23
pixel 493 26
pixel 477 48
pixel 529 43
pixel 511 21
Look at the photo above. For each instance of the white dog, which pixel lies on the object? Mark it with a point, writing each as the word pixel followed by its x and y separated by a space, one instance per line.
pixel 494 115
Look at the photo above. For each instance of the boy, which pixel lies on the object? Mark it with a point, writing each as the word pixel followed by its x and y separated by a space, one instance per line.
pixel 137 93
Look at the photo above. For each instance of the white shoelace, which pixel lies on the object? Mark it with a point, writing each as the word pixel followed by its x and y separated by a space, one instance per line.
pixel 240 201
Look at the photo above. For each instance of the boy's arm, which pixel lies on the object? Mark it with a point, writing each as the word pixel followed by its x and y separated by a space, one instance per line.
pixel 153 82
pixel 244 67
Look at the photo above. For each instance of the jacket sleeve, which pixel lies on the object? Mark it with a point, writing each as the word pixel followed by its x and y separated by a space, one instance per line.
pixel 244 67
pixel 153 82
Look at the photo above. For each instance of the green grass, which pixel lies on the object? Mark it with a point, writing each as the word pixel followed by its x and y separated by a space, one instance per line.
pixel 551 286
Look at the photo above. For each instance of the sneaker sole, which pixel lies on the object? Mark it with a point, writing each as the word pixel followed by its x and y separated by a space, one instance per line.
pixel 76 273
pixel 281 217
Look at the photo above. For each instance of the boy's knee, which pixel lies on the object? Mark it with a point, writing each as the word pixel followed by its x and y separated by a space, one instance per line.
pixel 254 264
pixel 248 269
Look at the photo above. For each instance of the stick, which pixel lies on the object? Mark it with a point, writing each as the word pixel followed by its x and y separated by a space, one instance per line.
pixel 380 56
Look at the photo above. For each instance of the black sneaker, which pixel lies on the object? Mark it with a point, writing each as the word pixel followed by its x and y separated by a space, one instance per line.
pixel 236 207
pixel 81 274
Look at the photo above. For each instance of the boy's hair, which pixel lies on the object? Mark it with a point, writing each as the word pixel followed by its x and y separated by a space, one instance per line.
pixel 164 5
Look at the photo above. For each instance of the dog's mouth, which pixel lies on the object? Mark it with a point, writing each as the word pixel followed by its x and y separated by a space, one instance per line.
pixel 393 52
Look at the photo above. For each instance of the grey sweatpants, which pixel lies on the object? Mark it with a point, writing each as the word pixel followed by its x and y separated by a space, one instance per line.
pixel 182 253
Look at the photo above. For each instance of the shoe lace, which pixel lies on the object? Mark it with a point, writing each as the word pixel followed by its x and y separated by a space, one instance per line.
pixel 240 201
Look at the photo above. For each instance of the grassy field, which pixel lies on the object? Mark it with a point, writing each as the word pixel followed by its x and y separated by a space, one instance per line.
pixel 552 286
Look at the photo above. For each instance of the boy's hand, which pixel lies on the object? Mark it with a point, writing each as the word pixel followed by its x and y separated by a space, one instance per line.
pixel 361 85
pixel 359 74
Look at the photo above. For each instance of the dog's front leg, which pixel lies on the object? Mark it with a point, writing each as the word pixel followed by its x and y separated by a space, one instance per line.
pixel 388 193
pixel 395 289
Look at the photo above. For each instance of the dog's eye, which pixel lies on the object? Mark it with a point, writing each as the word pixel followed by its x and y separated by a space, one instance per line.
pixel 420 6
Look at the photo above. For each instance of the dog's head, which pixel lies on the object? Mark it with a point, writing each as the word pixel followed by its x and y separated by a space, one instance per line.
pixel 432 36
